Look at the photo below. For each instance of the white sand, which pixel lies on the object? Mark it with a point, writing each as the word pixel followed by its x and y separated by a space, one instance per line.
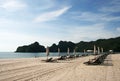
pixel 33 69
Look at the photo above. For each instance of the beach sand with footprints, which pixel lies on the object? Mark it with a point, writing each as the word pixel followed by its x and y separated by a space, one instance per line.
pixel 34 69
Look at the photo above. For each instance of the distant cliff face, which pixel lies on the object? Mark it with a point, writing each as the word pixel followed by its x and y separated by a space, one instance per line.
pixel 35 47
pixel 106 44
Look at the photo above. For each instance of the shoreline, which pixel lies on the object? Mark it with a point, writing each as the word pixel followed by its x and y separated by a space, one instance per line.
pixel 12 55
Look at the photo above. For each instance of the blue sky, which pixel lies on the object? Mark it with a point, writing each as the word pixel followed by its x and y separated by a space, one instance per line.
pixel 48 21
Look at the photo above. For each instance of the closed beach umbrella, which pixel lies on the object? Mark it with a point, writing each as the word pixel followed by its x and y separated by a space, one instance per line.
pixel 68 51
pixel 74 52
pixel 98 50
pixel 47 52
pixel 58 51
pixel 84 51
pixel 94 50
pixel 102 50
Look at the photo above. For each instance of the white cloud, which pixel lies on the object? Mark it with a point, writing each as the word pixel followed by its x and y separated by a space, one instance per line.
pixel 118 29
pixel 111 7
pixel 12 5
pixel 89 16
pixel 88 33
pixel 95 17
pixel 10 40
pixel 46 4
pixel 51 15
pixel 11 24
pixel 104 15
pixel 115 2
pixel 111 18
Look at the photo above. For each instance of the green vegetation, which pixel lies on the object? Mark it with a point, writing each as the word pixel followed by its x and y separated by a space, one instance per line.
pixel 106 44
pixel 35 47
pixel 63 45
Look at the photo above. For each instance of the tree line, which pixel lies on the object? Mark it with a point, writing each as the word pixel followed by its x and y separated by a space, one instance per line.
pixel 106 44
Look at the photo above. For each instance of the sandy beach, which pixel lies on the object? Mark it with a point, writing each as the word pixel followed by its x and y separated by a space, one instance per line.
pixel 33 69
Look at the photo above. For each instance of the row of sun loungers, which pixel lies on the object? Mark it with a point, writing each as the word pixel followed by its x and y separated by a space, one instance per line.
pixel 64 58
pixel 69 57
pixel 97 60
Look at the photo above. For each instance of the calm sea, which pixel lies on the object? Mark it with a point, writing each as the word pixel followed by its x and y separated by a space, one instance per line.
pixel 9 55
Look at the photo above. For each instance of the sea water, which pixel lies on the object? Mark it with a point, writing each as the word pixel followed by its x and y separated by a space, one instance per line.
pixel 10 55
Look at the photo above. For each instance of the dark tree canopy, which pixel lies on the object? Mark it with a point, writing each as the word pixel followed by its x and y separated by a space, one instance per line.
pixel 106 44
pixel 63 45
pixel 54 48
pixel 35 47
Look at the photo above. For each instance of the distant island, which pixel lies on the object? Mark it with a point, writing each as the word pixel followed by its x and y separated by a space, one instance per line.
pixel 106 44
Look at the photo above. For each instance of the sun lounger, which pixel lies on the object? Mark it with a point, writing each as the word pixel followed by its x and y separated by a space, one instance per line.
pixel 62 58
pixel 49 60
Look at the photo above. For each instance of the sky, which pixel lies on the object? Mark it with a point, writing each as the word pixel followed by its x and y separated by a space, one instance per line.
pixel 23 22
